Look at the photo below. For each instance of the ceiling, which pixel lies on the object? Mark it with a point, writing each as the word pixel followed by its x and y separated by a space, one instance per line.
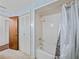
pixel 19 7
pixel 13 5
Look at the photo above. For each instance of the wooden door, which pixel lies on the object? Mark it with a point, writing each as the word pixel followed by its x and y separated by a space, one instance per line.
pixel 14 33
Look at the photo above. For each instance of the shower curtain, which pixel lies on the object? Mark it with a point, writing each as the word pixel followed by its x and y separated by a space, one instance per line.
pixel 77 17
pixel 68 32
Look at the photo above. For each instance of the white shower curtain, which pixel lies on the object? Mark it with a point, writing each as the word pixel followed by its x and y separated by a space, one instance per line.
pixel 68 32
pixel 77 17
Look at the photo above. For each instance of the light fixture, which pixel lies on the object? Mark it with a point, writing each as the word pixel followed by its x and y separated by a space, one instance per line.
pixel 51 25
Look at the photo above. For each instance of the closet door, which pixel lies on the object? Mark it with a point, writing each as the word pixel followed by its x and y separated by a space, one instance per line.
pixel 24 33
pixel 14 33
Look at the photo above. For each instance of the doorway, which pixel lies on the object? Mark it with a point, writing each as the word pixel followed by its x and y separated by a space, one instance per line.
pixel 14 33
pixel 47 26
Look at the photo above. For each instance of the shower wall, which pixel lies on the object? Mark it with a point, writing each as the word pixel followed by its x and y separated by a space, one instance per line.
pixel 50 32
pixel 47 35
pixel 38 30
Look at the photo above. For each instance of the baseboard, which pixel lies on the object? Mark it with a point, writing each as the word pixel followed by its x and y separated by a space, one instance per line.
pixel 4 47
pixel 33 57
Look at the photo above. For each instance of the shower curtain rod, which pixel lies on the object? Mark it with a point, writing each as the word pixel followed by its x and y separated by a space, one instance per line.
pixel 68 4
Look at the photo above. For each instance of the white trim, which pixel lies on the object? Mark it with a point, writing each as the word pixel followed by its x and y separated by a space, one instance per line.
pixel 30 32
pixel 33 34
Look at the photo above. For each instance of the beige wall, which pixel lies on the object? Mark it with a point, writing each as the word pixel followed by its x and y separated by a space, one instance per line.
pixel 4 30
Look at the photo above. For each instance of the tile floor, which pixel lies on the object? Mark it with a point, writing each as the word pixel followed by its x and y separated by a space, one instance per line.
pixel 13 54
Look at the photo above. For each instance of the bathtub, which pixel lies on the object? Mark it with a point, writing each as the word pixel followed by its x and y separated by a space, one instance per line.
pixel 41 54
